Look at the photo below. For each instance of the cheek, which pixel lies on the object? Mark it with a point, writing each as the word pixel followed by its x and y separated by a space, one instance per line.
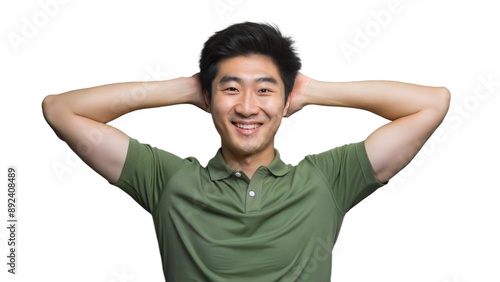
pixel 221 103
pixel 273 107
pixel 219 111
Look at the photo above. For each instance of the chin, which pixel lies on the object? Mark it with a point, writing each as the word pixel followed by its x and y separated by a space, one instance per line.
pixel 245 149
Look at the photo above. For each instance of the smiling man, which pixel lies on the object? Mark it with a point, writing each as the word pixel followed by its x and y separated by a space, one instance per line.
pixel 247 108
pixel 247 216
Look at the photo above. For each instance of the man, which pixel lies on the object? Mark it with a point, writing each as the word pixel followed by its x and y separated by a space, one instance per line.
pixel 247 216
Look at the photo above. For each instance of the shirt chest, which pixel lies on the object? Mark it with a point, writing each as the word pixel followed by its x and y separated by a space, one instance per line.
pixel 266 219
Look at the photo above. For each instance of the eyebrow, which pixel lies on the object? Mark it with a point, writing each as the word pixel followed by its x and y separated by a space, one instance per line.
pixel 229 78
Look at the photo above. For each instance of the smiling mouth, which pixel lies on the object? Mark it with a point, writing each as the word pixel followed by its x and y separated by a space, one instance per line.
pixel 247 126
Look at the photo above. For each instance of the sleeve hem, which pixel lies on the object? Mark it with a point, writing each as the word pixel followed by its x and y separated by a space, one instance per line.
pixel 367 168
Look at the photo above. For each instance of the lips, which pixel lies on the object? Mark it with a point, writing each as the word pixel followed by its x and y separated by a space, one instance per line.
pixel 247 125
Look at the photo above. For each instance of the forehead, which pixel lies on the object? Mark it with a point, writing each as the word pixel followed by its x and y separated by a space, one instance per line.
pixel 248 68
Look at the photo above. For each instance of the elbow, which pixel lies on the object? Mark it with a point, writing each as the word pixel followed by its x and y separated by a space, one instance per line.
pixel 446 96
pixel 47 107
pixel 443 98
pixel 53 112
pixel 52 109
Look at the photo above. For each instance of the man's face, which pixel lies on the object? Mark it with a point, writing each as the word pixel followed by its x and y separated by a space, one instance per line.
pixel 248 102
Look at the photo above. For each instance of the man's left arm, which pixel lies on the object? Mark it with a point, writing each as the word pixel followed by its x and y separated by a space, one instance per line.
pixel 415 112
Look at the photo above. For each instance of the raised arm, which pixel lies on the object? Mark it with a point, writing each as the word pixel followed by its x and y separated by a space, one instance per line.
pixel 415 112
pixel 79 117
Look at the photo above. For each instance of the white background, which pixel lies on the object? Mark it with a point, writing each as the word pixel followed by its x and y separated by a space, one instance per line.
pixel 438 220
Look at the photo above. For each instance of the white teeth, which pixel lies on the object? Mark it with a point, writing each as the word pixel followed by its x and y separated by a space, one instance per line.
pixel 247 126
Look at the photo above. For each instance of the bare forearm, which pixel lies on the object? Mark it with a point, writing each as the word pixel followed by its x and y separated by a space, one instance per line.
pixel 415 112
pixel 79 117
pixel 107 102
pixel 389 99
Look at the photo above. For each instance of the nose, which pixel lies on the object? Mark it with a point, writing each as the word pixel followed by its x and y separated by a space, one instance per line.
pixel 247 105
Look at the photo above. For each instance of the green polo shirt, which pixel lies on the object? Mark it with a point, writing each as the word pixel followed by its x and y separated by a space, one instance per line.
pixel 215 224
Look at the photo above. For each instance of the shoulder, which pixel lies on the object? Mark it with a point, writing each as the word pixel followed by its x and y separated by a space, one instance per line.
pixel 152 160
pixel 338 154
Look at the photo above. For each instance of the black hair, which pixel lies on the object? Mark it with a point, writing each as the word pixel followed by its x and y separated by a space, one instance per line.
pixel 245 39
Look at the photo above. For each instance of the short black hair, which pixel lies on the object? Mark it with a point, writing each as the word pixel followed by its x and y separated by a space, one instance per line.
pixel 247 38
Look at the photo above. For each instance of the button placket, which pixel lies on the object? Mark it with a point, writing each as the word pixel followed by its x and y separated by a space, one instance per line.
pixel 253 190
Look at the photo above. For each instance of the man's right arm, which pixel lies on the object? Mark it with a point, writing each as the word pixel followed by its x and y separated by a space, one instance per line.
pixel 79 117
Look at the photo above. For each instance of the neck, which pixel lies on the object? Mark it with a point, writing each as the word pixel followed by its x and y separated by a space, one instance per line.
pixel 248 163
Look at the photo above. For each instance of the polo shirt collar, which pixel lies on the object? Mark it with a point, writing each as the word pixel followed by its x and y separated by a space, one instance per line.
pixel 219 169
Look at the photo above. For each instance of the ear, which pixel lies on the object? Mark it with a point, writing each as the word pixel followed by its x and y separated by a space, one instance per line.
pixel 207 99
pixel 287 105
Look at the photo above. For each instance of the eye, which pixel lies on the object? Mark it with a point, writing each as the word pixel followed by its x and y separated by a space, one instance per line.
pixel 265 90
pixel 231 89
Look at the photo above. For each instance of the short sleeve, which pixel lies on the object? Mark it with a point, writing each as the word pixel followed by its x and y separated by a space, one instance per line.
pixel 348 172
pixel 146 173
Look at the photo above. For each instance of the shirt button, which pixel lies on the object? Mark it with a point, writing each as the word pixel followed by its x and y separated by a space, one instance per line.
pixel 251 193
pixel 238 174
